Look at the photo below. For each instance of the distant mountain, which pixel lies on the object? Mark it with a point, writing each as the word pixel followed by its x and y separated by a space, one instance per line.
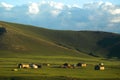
pixel 18 39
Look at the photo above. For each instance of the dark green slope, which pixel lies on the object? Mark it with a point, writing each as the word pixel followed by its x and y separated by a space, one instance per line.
pixel 54 42
pixel 94 43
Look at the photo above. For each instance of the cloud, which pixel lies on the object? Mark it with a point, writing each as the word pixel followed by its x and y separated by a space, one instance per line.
pixel 103 16
pixel 56 5
pixel 33 8
pixel 115 11
pixel 55 12
pixel 6 6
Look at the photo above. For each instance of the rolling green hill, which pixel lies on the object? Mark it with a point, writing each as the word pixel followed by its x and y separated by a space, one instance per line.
pixel 29 40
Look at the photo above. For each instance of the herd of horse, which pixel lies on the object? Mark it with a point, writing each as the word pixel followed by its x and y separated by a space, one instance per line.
pixel 65 65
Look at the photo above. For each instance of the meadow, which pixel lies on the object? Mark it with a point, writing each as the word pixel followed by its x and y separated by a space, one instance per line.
pixel 52 72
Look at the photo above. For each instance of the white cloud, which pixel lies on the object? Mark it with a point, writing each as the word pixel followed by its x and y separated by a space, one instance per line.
pixel 33 8
pixel 108 4
pixel 6 6
pixel 115 11
pixel 56 5
pixel 43 2
pixel 75 5
pixel 55 12
pixel 100 3
pixel 112 9
pixel 54 8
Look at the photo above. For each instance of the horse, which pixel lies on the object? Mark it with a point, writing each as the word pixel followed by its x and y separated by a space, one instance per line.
pixel 23 66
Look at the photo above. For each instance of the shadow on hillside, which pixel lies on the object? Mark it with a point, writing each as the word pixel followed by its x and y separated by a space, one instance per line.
pixel 2 30
pixel 111 44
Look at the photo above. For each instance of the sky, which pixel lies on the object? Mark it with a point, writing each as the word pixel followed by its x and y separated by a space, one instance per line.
pixel 80 2
pixel 95 15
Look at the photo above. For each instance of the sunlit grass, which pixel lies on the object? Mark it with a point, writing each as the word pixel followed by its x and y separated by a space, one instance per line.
pixel 8 64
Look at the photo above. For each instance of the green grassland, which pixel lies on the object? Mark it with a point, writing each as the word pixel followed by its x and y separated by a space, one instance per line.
pixel 29 44
pixel 52 72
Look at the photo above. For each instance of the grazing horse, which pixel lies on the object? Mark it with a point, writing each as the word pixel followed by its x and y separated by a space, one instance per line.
pixel 81 65
pixel 99 67
pixel 35 66
pixel 66 65
pixel 23 66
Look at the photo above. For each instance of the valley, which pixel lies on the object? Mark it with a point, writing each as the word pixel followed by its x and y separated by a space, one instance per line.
pixel 20 43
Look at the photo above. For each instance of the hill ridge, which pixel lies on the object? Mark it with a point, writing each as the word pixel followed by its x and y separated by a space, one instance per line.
pixel 94 43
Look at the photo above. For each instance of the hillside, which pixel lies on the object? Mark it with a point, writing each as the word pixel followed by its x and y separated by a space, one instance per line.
pixel 25 39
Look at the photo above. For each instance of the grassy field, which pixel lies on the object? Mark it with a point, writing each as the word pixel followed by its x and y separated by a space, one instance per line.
pixel 111 72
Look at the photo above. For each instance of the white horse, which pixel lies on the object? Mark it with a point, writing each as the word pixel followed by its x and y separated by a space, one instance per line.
pixel 34 66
